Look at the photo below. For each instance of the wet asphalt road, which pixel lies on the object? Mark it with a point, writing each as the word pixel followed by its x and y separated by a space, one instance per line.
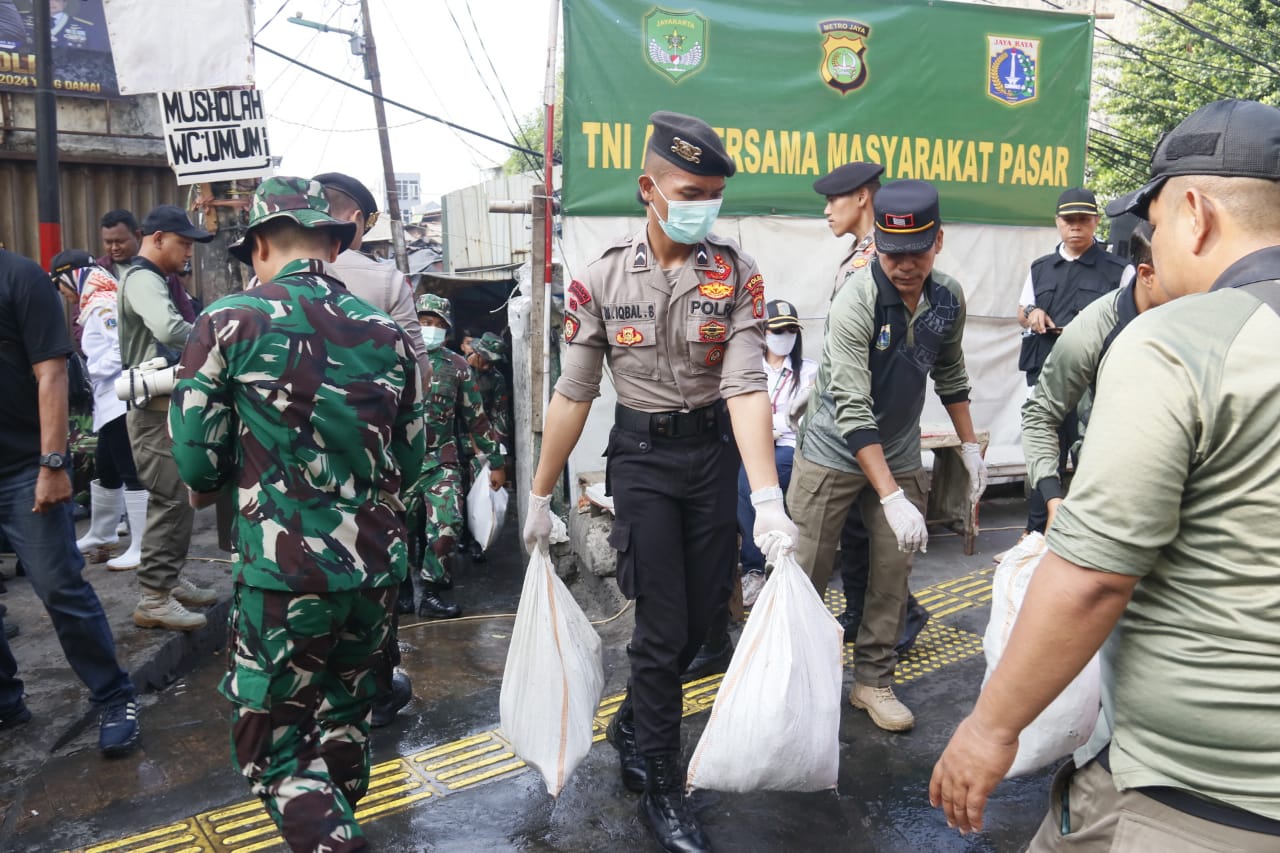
pixel 183 770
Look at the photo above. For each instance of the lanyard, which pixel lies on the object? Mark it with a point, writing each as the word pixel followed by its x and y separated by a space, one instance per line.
pixel 777 388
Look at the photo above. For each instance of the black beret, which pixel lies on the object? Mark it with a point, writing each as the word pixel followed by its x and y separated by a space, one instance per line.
pixel 349 186
pixel 847 178
pixel 691 144
pixel 1076 201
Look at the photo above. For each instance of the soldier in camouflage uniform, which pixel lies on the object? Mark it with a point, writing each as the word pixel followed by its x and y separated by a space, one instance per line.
pixel 435 503
pixel 495 391
pixel 302 398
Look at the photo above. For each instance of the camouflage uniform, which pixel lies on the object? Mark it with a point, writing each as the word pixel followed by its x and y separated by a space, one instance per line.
pixel 495 390
pixel 304 398
pixel 435 503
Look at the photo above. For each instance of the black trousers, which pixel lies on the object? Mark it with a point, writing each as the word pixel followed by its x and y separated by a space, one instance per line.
pixel 855 559
pixel 114 457
pixel 1037 508
pixel 676 533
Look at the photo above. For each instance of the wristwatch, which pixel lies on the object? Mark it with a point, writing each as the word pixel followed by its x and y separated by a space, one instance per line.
pixel 56 461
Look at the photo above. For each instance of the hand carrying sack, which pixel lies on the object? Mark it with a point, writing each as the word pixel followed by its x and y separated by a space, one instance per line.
pixel 486 509
pixel 554 676
pixel 1069 719
pixel 775 724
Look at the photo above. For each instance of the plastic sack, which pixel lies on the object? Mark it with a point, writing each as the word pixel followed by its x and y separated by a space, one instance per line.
pixel 775 724
pixel 486 509
pixel 1068 721
pixel 553 679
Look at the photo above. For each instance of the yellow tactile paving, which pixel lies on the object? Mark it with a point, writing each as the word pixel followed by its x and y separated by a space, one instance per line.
pixel 487 756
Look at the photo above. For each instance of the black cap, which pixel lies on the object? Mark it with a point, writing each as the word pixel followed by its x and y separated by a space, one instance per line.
pixel 68 260
pixel 173 219
pixel 907 217
pixel 1230 139
pixel 350 186
pixel 779 314
pixel 691 144
pixel 1076 201
pixel 847 178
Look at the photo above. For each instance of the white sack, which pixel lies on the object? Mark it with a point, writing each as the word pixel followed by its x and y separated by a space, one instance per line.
pixel 1069 720
pixel 776 720
pixel 180 44
pixel 486 509
pixel 553 679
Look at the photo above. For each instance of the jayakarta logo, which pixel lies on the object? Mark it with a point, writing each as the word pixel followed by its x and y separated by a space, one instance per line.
pixel 675 42
pixel 1012 65
pixel 844 52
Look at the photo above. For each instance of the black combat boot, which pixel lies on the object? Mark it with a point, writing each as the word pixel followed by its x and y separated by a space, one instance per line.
pixel 664 809
pixel 714 655
pixel 432 606
pixel 622 734
pixel 387 705
pixel 404 598
pixel 916 619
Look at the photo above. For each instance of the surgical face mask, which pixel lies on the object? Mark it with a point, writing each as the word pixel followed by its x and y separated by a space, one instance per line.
pixel 688 222
pixel 432 337
pixel 780 344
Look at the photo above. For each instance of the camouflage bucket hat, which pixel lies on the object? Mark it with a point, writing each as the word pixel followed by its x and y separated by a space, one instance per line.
pixel 298 199
pixel 433 303
pixel 490 347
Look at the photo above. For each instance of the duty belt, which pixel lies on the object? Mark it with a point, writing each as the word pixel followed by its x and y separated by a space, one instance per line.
pixel 670 424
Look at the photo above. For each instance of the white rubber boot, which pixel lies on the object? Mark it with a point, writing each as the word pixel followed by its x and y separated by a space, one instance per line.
pixel 135 504
pixel 104 512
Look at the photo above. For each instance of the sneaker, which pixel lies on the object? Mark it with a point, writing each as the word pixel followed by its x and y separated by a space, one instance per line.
pixel 162 610
pixel 883 706
pixel 118 730
pixel 193 596
pixel 16 717
pixel 752 583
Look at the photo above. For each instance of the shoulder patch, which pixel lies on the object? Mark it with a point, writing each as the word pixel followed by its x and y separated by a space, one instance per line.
pixel 579 292
pixel 755 286
pixel 571 327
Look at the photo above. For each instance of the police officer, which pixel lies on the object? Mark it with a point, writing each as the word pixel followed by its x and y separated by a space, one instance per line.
pixel 896 322
pixel 677 311
pixel 1058 287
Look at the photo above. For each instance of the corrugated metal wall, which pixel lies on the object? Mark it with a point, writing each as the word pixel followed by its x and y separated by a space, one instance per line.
pixel 474 237
pixel 87 192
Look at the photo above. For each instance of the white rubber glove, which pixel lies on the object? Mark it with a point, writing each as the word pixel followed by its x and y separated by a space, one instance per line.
pixel 971 453
pixel 774 533
pixel 537 524
pixel 907 522
pixel 796 411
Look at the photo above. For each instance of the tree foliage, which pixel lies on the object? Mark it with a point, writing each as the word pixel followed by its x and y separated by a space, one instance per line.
pixel 1182 59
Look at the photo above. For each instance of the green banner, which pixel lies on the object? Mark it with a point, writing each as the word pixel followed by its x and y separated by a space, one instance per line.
pixel 990 104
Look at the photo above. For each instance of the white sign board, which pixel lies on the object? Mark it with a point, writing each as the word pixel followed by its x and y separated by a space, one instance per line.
pixel 163 45
pixel 215 134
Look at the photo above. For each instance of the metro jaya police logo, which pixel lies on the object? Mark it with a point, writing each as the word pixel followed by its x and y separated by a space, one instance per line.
pixel 1012 64
pixel 844 50
pixel 571 327
pixel 675 42
pixel 755 286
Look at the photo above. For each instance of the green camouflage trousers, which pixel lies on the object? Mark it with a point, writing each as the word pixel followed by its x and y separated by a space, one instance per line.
pixel 302 675
pixel 434 519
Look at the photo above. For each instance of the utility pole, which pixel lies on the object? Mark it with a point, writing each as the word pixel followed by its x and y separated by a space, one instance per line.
pixel 374 77
pixel 362 45
pixel 47 203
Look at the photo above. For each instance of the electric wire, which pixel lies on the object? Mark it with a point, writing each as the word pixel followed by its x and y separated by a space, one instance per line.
pixel 484 50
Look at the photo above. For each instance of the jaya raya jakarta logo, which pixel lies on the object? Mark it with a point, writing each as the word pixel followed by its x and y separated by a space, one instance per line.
pixel 844 54
pixel 675 42
pixel 1012 64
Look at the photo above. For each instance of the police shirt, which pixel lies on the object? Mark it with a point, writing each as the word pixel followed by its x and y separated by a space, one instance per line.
pixel 1068 374
pixel 1181 487
pixel 858 257
pixel 875 362
pixel 671 346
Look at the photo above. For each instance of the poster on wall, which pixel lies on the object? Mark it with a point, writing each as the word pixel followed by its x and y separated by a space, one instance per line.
pixel 82 63
pixel 989 103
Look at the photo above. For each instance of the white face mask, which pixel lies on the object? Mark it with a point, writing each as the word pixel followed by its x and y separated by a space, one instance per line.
pixel 432 337
pixel 780 344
